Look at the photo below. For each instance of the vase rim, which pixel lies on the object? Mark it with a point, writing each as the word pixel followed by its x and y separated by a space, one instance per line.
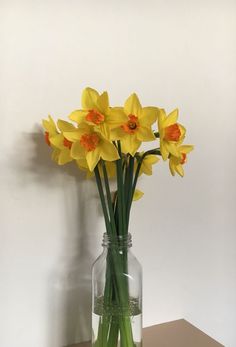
pixel 117 240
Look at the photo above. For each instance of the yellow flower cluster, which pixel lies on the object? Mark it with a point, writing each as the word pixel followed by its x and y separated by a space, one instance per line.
pixel 109 133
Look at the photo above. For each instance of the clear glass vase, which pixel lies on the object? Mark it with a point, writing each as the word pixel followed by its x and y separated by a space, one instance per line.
pixel 117 295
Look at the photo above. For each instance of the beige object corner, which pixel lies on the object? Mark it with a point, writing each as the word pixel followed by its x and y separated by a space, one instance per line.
pixel 179 333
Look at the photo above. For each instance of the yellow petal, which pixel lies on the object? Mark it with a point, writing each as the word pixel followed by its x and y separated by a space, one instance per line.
pixel 86 128
pixel 51 121
pixel 116 117
pixel 164 151
pixel 111 169
pixel 49 125
pixel 64 157
pixel 82 163
pixel 171 118
pixel 173 149
pixel 117 134
pixel 161 117
pixel 172 167
pixel 103 103
pixel 183 132
pixel 133 106
pixel 137 195
pixel 78 116
pixel 148 161
pixel 57 141
pixel 104 130
pixel 73 135
pixel 186 148
pixel 81 130
pixel 151 159
pixel 55 154
pixel 179 169
pixel 89 98
pixel 148 116
pixel 108 151
pixel 145 134
pixel 130 144
pixel 146 169
pixel 65 126
pixel 77 151
pixel 93 158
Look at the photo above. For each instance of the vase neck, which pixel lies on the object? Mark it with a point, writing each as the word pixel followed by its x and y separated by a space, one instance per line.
pixel 120 241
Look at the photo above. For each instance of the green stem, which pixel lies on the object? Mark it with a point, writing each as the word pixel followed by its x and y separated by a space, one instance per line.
pixel 113 332
pixel 115 264
pixel 109 201
pixel 129 187
pixel 102 198
pixel 108 300
pixel 122 297
pixel 126 178
pixel 103 326
pixel 152 151
pixel 120 193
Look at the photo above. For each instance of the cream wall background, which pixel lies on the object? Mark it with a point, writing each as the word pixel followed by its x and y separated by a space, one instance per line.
pixel 173 54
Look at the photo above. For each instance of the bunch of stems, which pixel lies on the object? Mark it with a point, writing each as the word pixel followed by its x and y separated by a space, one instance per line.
pixel 117 214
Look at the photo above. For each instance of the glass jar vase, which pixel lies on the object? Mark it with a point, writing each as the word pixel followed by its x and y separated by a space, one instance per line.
pixel 117 295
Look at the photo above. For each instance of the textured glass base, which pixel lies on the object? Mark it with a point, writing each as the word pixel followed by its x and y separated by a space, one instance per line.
pixel 109 325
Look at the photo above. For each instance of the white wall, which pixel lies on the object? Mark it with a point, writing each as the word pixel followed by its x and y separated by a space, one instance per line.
pixel 173 54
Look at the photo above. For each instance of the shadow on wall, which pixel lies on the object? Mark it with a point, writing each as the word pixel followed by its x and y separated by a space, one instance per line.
pixel 69 284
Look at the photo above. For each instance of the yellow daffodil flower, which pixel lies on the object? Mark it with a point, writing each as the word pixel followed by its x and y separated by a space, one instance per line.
pixel 138 194
pixel 90 144
pixel 175 163
pixel 55 138
pixel 51 131
pixel 148 161
pixel 63 144
pixel 171 133
pixel 137 127
pixel 97 112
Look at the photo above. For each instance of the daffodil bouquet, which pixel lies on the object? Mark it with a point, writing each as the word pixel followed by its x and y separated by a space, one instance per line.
pixel 105 142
